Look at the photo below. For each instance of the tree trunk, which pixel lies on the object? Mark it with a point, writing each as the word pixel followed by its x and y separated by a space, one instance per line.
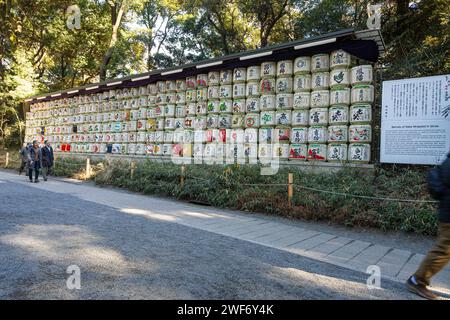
pixel 116 19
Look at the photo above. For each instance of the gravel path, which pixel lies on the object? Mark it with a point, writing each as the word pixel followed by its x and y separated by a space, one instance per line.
pixel 123 256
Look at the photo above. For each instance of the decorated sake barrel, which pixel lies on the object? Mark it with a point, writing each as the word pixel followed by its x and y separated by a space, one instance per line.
pixel 237 121
pixel 180 98
pixel 160 99
pixel 251 135
pixel 135 91
pixel 171 86
pixel 226 91
pixel 317 152
pixel 284 101
pixel 320 81
pixel 266 135
pixel 200 123
pixel 201 108
pixel 281 151
pixel 340 59
pixel 159 123
pixel 360 133
pixel 116 148
pixel 179 123
pixel 252 105
pixel 212 121
pixel 189 122
pixel 157 149
pixel 161 86
pixel 338 115
pixel 253 73
pixel 302 82
pixel 151 124
pixel 318 116
pixel 360 114
pixel 317 134
pixel 151 101
pixel 143 101
pixel 320 62
pixel 239 90
pixel 320 99
pixel 151 112
pixel 169 123
pixel 359 152
pixel 239 75
pixel 140 149
pixel 340 96
pixel 299 135
pixel 180 111
pixel 159 111
pixel 302 65
pixel 362 94
pixel 301 100
pixel 171 98
pixel 283 118
pixel 339 77
pixel 149 149
pixel 252 89
pixel 152 89
pixel 282 134
pixel 238 106
pixel 188 136
pixel 267 102
pixel 300 117
pixel 298 151
pixel 209 151
pixel 213 78
pixel 284 85
pixel 178 136
pixel 268 69
pixel 180 85
pixel 168 136
pixel 235 136
pixel 235 151
pixel 362 74
pixel 199 136
pixel 226 106
pixel 225 121
pixel 213 92
pixel 202 80
pixel 212 135
pixel 337 152
pixel 191 83
pixel 167 150
pixel 191 96
pixel 131 148
pixel 132 126
pixel 169 110
pixel 251 152
pixel 252 120
pixel 338 133
pixel 191 109
pixel 213 106
pixel 159 136
pixel 267 86
pixel 202 94
pixel 265 151
pixel 141 125
pixel 284 68
pixel 226 77
pixel 267 118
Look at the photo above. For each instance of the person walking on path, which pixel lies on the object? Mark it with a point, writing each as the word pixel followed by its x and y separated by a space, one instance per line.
pixel 24 157
pixel 439 256
pixel 35 164
pixel 47 159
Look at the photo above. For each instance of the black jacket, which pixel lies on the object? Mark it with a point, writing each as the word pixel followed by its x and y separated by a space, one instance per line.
pixel 439 186
pixel 47 156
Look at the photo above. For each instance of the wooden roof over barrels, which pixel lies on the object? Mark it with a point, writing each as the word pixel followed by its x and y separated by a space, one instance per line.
pixel 366 45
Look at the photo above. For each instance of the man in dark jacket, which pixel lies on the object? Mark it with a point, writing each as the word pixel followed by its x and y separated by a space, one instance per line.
pixel 47 159
pixel 35 164
pixel 439 256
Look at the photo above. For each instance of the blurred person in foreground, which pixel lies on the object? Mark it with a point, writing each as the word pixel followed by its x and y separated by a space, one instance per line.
pixel 36 160
pixel 439 256
pixel 47 159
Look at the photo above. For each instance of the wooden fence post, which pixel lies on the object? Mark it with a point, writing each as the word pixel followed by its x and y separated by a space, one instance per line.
pixel 7 160
pixel 182 176
pixel 290 188
pixel 132 168
pixel 88 168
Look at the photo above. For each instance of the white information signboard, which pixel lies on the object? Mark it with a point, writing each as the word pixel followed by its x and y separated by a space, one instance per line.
pixel 415 120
